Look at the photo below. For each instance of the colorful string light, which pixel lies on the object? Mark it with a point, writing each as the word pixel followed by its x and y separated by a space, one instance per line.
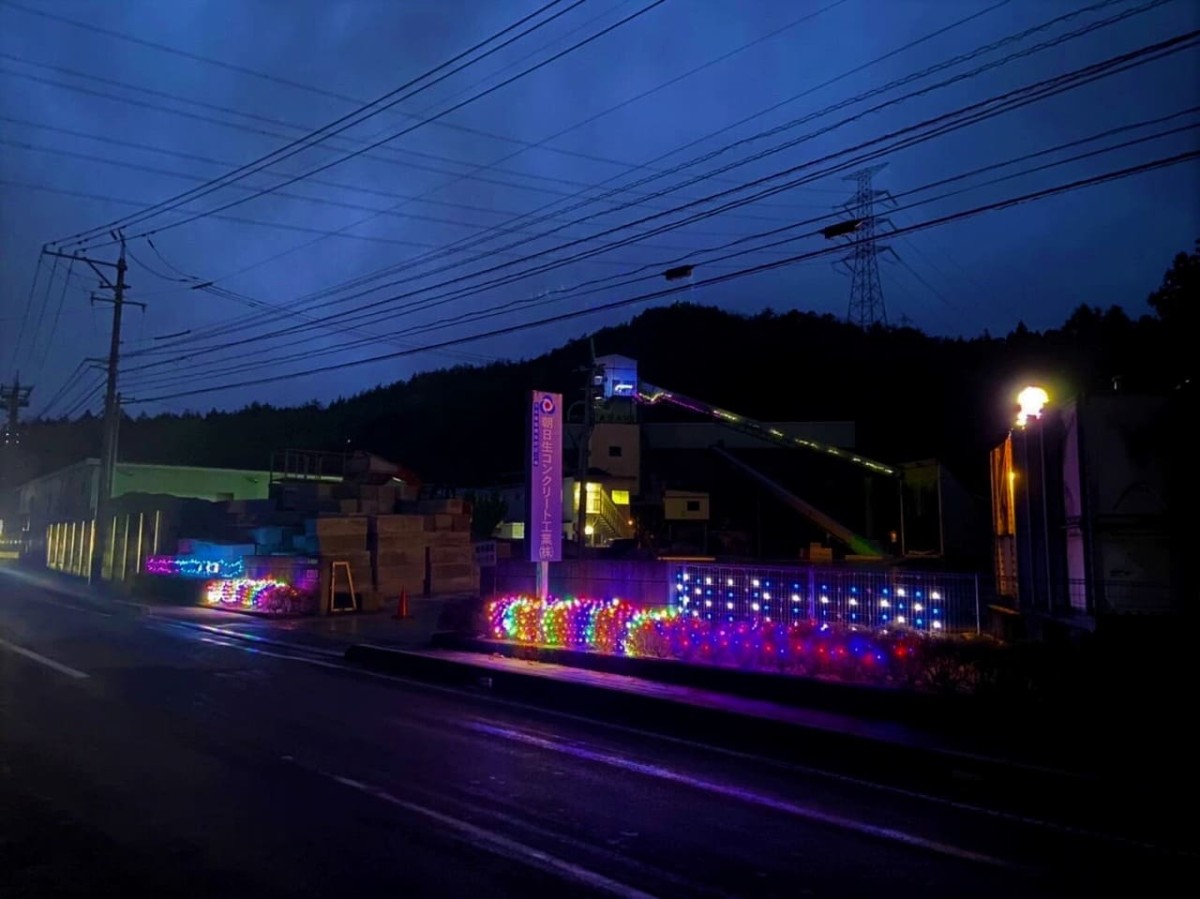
pixel 256 595
pixel 617 627
pixel 190 566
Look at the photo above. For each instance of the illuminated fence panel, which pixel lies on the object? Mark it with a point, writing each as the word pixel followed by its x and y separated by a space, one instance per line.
pixel 927 602
pixel 190 567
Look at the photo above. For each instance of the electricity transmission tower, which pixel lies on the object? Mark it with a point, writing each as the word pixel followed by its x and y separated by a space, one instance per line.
pixel 866 293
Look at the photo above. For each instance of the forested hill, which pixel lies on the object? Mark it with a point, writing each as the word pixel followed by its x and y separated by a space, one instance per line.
pixel 912 395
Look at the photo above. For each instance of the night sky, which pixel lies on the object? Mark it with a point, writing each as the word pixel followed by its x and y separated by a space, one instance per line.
pixel 141 100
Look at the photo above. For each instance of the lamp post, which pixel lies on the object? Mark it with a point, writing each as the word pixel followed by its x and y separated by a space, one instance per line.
pixel 1031 402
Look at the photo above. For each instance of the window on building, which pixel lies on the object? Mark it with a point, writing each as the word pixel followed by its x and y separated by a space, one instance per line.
pixel 693 505
pixel 615 452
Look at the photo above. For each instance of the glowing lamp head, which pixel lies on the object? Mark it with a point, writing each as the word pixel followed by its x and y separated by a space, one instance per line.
pixel 1031 400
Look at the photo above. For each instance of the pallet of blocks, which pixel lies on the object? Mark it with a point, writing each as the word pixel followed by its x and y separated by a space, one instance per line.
pixel 451 556
pixel 425 554
pixel 343 539
pixel 397 544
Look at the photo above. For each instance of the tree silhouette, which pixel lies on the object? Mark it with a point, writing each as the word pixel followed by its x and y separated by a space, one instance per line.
pixel 1177 301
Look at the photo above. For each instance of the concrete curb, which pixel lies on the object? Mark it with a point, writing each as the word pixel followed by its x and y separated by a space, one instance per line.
pixel 962 776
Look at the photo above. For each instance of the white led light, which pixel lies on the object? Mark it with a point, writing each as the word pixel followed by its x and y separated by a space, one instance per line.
pixel 729 582
pixel 708 603
pixel 766 596
pixel 899 619
pixel 937 625
pixel 754 606
pixel 900 592
pixel 685 575
pixel 917 607
pixel 708 582
pixel 754 583
pixel 884 604
pixel 853 602
pixel 824 599
pixel 729 606
pixel 935 596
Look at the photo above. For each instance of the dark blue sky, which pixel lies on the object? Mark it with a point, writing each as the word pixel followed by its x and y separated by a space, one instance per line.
pixel 455 180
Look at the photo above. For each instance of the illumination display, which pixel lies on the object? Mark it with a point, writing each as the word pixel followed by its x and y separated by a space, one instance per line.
pixel 618 627
pixel 854 598
pixel 256 595
pixel 189 566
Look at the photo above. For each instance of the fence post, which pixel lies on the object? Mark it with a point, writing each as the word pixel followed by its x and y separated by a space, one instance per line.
pixel 978 628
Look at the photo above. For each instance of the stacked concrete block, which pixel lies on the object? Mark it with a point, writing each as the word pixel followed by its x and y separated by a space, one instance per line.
pixel 398 554
pixel 343 539
pixel 425 553
pixel 451 556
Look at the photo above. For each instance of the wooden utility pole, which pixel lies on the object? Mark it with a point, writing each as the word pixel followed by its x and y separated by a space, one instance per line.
pixel 112 400
pixel 14 399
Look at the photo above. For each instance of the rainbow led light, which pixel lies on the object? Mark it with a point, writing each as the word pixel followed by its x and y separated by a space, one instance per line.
pixel 617 627
pixel 254 595
pixel 190 566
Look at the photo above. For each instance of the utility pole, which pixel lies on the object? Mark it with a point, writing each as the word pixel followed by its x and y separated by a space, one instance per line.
pixel 112 400
pixel 14 398
pixel 866 293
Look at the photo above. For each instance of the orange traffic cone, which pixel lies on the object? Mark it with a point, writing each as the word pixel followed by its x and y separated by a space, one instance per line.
pixel 402 605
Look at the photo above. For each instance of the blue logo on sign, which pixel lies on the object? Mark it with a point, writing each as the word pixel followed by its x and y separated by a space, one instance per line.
pixel 547 405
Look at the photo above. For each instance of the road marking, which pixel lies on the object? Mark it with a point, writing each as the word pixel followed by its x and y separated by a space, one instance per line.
pixel 498 844
pixel 461 693
pixel 749 796
pixel 41 659
pixel 254 638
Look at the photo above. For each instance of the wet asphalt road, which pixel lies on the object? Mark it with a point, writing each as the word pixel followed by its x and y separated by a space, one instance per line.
pixel 141 757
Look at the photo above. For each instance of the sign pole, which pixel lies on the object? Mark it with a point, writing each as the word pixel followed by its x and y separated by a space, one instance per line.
pixel 544 512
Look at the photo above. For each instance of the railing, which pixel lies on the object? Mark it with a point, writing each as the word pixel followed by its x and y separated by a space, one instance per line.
pixel 307 465
pixel 929 602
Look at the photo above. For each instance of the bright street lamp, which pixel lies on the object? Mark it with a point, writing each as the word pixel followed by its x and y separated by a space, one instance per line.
pixel 1031 400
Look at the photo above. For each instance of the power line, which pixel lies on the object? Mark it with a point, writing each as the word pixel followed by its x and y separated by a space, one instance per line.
pixel 793 98
pixel 579 292
pixel 195 194
pixel 308 88
pixel 323 201
pixel 342 123
pixel 1045 45
pixel 405 163
pixel 62 296
pixel 653 295
pixel 1000 103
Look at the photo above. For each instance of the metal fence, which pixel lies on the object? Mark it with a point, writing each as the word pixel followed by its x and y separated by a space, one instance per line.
pixel 930 602
pixel 641 582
